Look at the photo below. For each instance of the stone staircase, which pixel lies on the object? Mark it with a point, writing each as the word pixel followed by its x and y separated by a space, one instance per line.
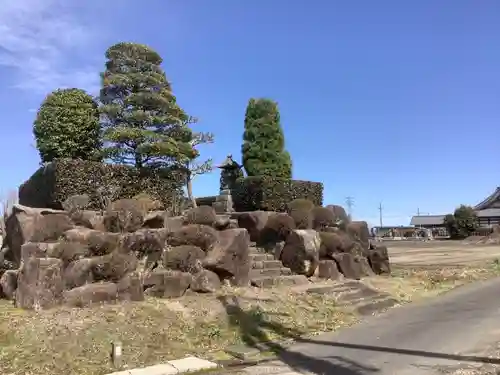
pixel 360 297
pixel 267 272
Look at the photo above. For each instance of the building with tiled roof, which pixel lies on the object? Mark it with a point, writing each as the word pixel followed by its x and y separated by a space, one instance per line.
pixel 488 213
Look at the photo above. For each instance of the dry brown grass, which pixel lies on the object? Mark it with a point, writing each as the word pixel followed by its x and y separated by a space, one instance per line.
pixel 78 341
pixel 410 284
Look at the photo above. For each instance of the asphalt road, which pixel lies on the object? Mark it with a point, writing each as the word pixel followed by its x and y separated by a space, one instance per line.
pixel 415 339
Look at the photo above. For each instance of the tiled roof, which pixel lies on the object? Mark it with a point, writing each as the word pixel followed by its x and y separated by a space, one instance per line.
pixel 489 200
pixel 427 220
pixel 439 219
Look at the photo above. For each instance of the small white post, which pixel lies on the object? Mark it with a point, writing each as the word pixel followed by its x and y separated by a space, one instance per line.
pixel 116 354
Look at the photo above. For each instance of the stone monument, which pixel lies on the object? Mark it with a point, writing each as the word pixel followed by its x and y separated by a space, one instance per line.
pixel 230 172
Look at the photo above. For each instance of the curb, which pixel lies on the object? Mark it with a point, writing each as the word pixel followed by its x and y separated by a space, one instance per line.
pixel 177 366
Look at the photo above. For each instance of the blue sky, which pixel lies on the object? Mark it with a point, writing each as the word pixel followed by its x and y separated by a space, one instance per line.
pixel 385 101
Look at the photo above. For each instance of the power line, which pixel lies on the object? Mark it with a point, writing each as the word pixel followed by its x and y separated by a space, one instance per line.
pixel 380 209
pixel 349 201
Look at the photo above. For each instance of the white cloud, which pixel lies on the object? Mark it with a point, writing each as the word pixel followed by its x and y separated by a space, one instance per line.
pixel 38 39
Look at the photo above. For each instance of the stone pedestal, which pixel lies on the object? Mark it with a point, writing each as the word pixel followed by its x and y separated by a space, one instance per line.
pixel 224 202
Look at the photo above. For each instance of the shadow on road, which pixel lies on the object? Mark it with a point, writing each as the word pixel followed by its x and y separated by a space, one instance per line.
pixel 253 326
pixel 253 329
pixel 418 353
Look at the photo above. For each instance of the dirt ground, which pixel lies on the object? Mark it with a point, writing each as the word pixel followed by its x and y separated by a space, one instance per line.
pixel 440 253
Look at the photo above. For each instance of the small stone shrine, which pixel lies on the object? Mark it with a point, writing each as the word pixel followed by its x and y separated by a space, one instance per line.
pixel 230 172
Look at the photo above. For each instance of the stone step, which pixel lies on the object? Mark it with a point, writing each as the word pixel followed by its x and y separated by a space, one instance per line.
pixel 260 257
pixel 256 250
pixel 338 288
pixel 350 296
pixel 267 264
pixel 270 272
pixel 270 281
pixel 375 306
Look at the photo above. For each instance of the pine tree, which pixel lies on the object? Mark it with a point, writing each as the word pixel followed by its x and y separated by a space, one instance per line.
pixel 67 126
pixel 263 150
pixel 142 123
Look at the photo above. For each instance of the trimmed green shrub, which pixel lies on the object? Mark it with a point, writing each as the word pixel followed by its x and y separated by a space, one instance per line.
pixel 277 228
pixel 303 218
pixel 263 150
pixel 300 204
pixel 301 212
pixel 67 126
pixel 273 194
pixel 52 184
pixel 322 218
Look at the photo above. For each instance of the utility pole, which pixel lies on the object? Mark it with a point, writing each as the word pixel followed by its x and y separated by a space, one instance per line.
pixel 380 208
pixel 418 211
pixel 349 201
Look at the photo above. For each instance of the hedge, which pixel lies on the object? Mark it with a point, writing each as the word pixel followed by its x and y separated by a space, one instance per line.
pixel 50 185
pixel 273 194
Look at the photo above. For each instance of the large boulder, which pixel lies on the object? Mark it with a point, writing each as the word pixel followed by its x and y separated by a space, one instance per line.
pixel 364 266
pixel 185 258
pixel 114 266
pixel 328 269
pixel 203 236
pixel 69 252
pixel 254 222
pixel 88 219
pixel 204 215
pixel 277 228
pixel 27 224
pixel 379 260
pixel 89 294
pixel 147 245
pixel 131 288
pixel 205 281
pixel 124 215
pixel 99 243
pixel 78 273
pixel 8 284
pixel 340 213
pixel 359 231
pixel 334 243
pixel 301 251
pixel 348 266
pixel 39 284
pixel 155 219
pixel 230 257
pixel 224 222
pixel 173 223
pixel 167 283
pixel 39 250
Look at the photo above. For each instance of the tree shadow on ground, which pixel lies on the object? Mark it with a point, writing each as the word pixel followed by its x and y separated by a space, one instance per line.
pixel 253 328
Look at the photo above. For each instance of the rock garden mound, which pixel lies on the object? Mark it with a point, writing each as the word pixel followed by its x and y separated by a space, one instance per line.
pixel 127 252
